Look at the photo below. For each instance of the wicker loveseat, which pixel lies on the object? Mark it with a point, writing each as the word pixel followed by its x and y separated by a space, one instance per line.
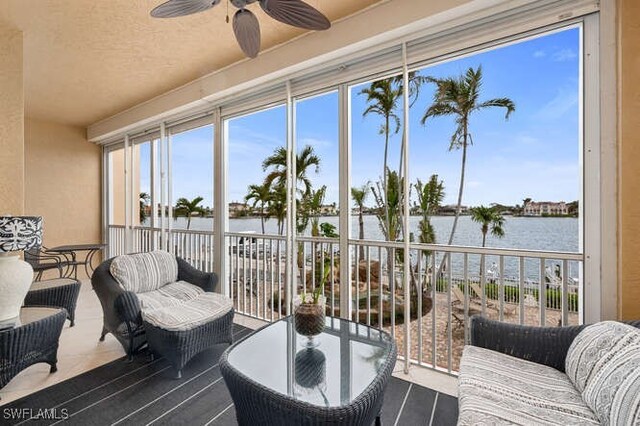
pixel 160 299
pixel 512 374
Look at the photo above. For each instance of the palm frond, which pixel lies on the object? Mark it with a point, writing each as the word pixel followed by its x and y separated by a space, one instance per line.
pixel 499 102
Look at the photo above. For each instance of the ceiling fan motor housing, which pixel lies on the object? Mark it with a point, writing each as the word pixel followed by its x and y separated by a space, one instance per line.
pixel 241 4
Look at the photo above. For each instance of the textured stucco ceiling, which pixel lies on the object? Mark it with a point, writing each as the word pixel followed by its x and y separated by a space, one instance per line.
pixel 85 60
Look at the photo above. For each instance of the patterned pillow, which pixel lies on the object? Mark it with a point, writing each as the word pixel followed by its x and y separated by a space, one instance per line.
pixel 613 392
pixel 593 347
pixel 142 272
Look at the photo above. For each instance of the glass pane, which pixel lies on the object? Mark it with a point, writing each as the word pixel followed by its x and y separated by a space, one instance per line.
pixel 525 167
pixel 318 152
pixel 116 187
pixel 376 150
pixel 257 172
pixel 142 184
pixel 192 179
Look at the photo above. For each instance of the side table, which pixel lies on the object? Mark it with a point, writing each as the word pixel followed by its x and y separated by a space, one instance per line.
pixel 275 378
pixel 33 339
pixel 58 293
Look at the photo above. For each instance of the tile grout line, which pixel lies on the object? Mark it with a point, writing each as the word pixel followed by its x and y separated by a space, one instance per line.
pixel 219 414
pixel 404 401
pixel 188 399
pixel 97 387
pixel 114 394
pixel 165 394
pixel 433 410
pixel 237 334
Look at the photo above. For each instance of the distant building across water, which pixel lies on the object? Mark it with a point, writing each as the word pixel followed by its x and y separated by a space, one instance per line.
pixel 543 208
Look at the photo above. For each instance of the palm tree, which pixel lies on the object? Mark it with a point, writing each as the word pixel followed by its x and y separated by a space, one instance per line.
pixel 144 201
pixel 359 195
pixel 384 97
pixel 459 97
pixel 188 208
pixel 430 196
pixel 260 194
pixel 312 207
pixel 392 207
pixel 278 206
pixel 489 219
pixel 305 160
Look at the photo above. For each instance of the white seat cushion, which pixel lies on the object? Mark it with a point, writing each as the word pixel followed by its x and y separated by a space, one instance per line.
pixel 172 294
pixel 495 388
pixel 143 272
pixel 190 314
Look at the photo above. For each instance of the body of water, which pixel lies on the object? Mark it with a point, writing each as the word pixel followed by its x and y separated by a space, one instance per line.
pixel 527 233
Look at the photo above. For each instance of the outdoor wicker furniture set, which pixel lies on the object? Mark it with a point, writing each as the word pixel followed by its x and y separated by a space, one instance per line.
pixel 552 375
pixel 33 339
pixel 274 377
pixel 58 292
pixel 159 300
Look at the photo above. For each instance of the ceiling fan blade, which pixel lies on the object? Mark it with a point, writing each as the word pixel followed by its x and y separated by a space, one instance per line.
pixel 247 31
pixel 176 8
pixel 296 13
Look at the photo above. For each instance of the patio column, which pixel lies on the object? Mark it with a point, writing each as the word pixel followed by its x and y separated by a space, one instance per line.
pixel 629 155
pixel 12 122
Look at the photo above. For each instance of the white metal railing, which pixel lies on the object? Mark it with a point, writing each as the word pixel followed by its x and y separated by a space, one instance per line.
pixel 256 269
pixel 521 286
pixel 196 247
pixel 447 284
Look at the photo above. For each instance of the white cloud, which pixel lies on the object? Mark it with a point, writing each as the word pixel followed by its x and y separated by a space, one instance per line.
pixel 564 55
pixel 539 54
pixel 316 143
pixel 562 102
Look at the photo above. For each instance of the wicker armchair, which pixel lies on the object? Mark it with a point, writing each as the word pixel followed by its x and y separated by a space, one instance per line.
pixel 121 308
pixel 42 260
pixel 521 375
pixel 542 345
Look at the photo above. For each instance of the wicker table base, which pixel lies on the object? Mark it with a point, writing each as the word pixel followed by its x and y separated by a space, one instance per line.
pixel 59 293
pixel 33 340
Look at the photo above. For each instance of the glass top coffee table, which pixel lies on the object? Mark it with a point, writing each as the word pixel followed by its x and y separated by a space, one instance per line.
pixel 275 378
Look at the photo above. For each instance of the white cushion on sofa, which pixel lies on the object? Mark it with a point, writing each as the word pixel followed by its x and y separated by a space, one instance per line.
pixel 172 294
pixel 190 314
pixel 593 347
pixel 495 388
pixel 143 272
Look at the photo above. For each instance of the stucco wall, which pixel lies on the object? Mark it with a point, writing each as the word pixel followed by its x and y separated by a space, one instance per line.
pixel 63 182
pixel 12 123
pixel 629 154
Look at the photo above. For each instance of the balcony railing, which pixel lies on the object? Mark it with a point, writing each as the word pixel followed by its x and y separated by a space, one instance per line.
pixel 447 284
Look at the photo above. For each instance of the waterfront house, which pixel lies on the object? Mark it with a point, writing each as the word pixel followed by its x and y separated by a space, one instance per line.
pixel 545 208
pixel 237 209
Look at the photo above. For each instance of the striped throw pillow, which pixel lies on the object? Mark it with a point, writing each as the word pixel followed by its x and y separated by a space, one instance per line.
pixel 592 348
pixel 613 392
pixel 143 272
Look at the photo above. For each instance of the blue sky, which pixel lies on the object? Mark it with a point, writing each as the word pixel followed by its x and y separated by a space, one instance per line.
pixel 533 154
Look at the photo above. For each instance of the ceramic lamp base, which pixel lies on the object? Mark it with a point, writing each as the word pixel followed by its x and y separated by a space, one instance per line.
pixel 16 276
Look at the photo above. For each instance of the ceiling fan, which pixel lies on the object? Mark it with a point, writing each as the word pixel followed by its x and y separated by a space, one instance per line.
pixel 245 24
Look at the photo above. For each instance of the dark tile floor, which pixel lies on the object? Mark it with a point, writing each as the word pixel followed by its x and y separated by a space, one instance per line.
pixel 144 392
